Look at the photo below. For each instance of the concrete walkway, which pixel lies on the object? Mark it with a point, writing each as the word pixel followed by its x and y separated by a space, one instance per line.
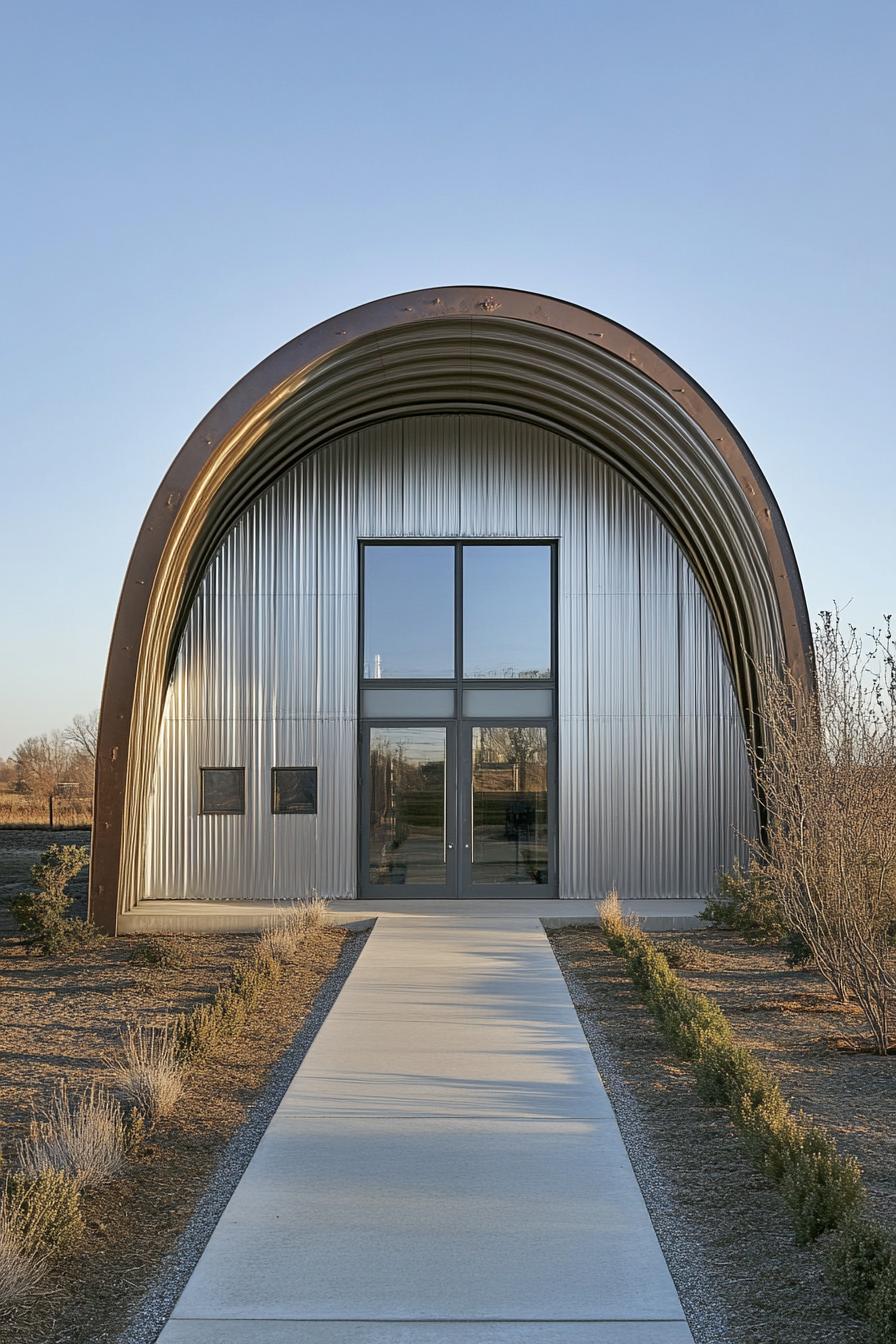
pixel 445 1168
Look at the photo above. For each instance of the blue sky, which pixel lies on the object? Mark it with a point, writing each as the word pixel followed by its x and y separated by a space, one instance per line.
pixel 189 185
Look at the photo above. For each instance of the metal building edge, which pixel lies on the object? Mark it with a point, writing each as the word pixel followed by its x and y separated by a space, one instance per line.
pixel 466 347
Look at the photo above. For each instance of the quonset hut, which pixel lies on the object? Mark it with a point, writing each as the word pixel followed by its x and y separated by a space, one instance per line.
pixel 459 594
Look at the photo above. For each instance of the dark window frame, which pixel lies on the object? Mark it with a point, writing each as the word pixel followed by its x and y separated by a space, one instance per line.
pixel 459 680
pixel 293 811
pixel 240 771
pixel 446 543
pixel 457 724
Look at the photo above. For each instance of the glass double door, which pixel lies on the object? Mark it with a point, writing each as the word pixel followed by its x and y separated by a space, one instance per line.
pixel 457 809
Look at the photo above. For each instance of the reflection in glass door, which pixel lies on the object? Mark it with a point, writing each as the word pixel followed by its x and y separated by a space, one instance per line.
pixel 410 834
pixel 507 840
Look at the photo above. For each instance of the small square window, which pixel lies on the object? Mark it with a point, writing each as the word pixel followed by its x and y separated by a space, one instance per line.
pixel 223 790
pixel 294 789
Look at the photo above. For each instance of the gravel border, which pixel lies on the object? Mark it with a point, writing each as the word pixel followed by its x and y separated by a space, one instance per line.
pixel 155 1307
pixel 706 1315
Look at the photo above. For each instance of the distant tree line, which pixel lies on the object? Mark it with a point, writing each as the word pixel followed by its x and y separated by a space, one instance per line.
pixel 59 764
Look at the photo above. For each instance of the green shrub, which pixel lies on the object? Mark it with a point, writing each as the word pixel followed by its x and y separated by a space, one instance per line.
pixel 198 1031
pixel 747 903
pixel 45 1209
pixel 770 1131
pixel 42 915
pixel 683 954
pixel 797 952
pixel 857 1257
pixel 821 1186
pixel 730 1075
pixel 250 979
pixel 882 1305
pixel 167 952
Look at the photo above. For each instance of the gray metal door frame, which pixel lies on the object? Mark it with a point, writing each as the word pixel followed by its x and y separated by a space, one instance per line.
pixel 459 764
pixel 467 888
pixel 402 890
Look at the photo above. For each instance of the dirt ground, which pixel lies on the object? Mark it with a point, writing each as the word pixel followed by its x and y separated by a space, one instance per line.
pixel 58 1017
pixel 770 1290
pixel 790 1020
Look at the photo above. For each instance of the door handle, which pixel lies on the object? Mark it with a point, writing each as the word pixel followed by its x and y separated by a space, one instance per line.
pixel 450 846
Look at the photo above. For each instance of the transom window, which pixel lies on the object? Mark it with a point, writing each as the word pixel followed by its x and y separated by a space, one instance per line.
pixel 431 609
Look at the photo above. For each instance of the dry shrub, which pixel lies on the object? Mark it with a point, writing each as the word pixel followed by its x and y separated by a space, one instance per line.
pixel 21 1269
pixel 288 929
pixel 87 1136
pixel 197 1032
pixel 826 769
pixel 277 943
pixel 148 1071
pixel 685 955
pixel 165 951
pixel 46 1209
pixel 610 916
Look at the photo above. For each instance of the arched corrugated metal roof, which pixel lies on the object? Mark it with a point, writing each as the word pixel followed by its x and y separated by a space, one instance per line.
pixel 493 350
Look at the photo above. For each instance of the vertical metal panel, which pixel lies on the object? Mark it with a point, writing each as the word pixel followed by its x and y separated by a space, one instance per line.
pixel 432 490
pixel 611 671
pixel 654 786
pixel 381 481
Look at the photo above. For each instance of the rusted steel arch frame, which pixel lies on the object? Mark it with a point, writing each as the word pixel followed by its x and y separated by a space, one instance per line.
pixel 504 352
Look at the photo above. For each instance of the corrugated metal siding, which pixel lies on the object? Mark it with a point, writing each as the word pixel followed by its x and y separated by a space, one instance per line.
pixel 653 778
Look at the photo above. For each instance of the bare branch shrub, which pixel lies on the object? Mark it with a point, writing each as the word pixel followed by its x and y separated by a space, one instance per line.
pixel 827 772
pixel 86 1136
pixel 148 1071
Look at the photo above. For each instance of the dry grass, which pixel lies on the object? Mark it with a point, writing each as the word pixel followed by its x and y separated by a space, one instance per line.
pixel 277 942
pixel 85 1136
pixel 133 1222
pixel 610 914
pixel 20 1268
pixel 286 932
pixel 22 809
pixel 147 1070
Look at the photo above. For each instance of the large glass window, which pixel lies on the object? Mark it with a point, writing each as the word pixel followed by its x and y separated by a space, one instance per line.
pixel 507 612
pixel 408 612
